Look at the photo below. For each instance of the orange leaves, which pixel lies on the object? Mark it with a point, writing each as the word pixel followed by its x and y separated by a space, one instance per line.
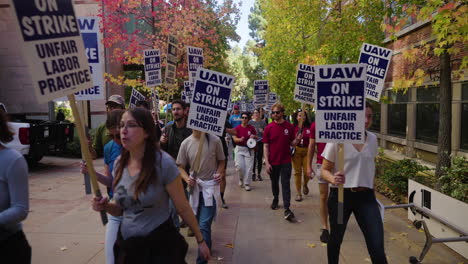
pixel 448 6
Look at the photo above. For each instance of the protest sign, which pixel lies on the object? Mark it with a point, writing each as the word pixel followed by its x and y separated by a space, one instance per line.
pixel 52 48
pixel 260 100
pixel 155 100
pixel 187 92
pixel 135 97
pixel 171 61
pixel 272 97
pixel 195 61
pixel 305 84
pixel 243 106
pixel 210 101
pixel 340 103
pixel 152 59
pixel 261 87
pixel 377 60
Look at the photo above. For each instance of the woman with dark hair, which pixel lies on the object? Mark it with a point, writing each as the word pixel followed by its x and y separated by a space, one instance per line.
pixel 145 179
pixel 299 158
pixel 14 200
pixel 244 156
pixel 112 151
pixel 259 124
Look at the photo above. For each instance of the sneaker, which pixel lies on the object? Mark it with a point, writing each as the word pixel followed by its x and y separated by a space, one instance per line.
pixel 224 205
pixel 298 198
pixel 324 236
pixel 288 215
pixel 274 205
pixel 247 187
pixel 254 177
pixel 241 184
pixel 190 233
pixel 305 190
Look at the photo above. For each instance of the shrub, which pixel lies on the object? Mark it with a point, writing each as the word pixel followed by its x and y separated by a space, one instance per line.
pixel 454 181
pixel 395 175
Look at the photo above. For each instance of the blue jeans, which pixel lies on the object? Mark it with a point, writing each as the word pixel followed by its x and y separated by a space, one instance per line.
pixel 367 214
pixel 205 216
pixel 282 172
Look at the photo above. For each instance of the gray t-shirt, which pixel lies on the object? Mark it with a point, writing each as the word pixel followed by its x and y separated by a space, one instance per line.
pixel 211 154
pixel 14 192
pixel 259 126
pixel 142 216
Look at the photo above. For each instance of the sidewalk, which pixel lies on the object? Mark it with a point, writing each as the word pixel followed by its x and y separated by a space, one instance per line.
pixel 62 228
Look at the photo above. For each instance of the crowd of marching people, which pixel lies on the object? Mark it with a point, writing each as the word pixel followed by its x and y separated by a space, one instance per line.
pixel 153 176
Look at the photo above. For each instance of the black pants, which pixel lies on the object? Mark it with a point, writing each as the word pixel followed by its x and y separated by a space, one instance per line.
pixel 367 214
pixel 15 249
pixel 258 160
pixel 282 172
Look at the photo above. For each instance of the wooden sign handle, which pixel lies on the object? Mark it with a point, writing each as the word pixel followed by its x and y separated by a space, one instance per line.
pixel 340 186
pixel 85 152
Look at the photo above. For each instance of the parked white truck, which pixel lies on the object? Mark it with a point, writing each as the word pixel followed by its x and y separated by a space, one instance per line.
pixel 36 138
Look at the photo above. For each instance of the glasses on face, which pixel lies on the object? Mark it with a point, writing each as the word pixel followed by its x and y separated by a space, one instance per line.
pixel 129 124
pixel 244 117
pixel 276 112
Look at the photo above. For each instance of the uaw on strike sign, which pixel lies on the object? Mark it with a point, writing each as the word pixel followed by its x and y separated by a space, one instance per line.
pixel 340 103
pixel 377 60
pixel 53 48
pixel 210 100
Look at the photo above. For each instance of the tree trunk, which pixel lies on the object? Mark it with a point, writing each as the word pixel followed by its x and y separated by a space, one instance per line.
pixel 445 114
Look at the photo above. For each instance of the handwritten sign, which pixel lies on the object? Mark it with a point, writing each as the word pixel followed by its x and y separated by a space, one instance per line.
pixel 152 59
pixel 210 101
pixel 305 84
pixel 53 48
pixel 340 103
pixel 377 60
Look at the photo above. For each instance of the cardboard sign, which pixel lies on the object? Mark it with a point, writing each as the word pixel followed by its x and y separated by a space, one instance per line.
pixel 53 48
pixel 171 63
pixel 135 97
pixel 195 61
pixel 272 97
pixel 340 103
pixel 210 101
pixel 377 60
pixel 155 99
pixel 305 84
pixel 187 92
pixel 261 87
pixel 152 59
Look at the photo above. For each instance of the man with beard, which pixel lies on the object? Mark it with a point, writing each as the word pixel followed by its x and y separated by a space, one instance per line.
pixel 278 137
pixel 172 138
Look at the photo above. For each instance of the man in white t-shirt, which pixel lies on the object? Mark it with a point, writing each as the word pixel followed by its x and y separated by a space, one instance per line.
pixel 359 197
pixel 206 194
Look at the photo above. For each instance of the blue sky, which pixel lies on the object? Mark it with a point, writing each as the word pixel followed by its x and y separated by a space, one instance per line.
pixel 243 25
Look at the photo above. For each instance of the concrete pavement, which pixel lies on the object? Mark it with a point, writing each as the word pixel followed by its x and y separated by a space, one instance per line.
pixel 62 228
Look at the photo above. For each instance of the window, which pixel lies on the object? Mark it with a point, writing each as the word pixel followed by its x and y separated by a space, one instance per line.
pixel 375 126
pixel 464 118
pixel 396 120
pixel 427 114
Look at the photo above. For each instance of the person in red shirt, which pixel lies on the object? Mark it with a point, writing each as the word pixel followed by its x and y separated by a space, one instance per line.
pixel 277 140
pixel 244 156
pixel 323 184
pixel 299 159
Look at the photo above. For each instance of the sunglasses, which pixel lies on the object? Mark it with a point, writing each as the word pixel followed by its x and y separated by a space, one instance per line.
pixel 276 112
pixel 244 117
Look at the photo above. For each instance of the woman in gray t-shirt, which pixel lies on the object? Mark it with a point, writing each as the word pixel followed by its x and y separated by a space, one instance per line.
pixel 259 125
pixel 145 179
pixel 14 200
